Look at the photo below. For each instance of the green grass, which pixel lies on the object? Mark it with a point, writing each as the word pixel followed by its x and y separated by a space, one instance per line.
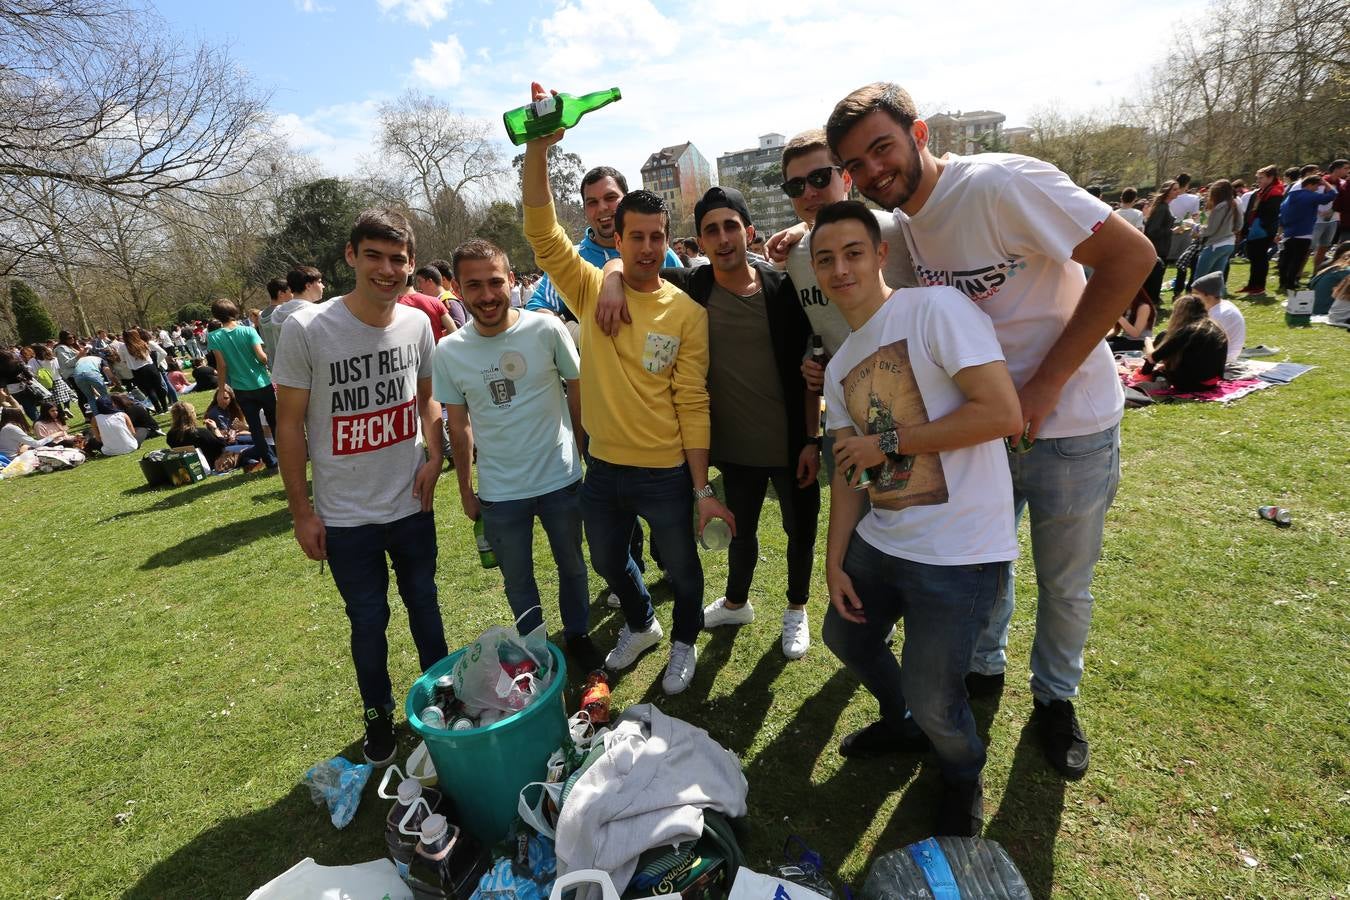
pixel 173 656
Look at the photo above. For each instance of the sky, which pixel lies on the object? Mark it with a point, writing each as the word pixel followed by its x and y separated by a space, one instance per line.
pixel 715 72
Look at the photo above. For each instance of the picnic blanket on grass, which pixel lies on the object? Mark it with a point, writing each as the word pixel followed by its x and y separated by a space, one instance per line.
pixel 1240 379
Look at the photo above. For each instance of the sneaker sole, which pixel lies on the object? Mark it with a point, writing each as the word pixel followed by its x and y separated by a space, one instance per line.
pixel 381 763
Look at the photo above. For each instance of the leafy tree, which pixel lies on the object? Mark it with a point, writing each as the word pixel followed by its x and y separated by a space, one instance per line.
pixel 317 218
pixel 30 316
pixel 503 225
pixel 192 312
pixel 565 171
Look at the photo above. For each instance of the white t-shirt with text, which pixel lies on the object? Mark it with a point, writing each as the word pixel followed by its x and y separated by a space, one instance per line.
pixel 897 370
pixel 1002 229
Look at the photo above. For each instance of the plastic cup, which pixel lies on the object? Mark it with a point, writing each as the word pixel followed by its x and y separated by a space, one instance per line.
pixel 716 535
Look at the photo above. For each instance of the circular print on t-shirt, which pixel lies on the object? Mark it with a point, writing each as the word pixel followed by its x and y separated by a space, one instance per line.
pixel 512 365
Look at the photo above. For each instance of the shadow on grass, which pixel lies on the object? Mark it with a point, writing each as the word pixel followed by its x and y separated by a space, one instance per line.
pixel 180 496
pixel 221 540
pixel 235 856
pixel 1027 821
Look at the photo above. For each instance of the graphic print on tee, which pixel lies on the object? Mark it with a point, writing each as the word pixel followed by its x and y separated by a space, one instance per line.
pixel 882 392
pixel 659 352
pixel 386 380
pixel 501 379
pixel 977 284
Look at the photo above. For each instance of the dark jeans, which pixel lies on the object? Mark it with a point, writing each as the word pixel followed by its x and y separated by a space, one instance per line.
pixel 509 526
pixel 944 609
pixel 255 404
pixel 1258 253
pixel 1293 254
pixel 356 556
pixel 746 487
pixel 612 499
pixel 148 379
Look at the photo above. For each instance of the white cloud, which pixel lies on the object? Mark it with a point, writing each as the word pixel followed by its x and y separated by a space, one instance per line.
pixel 420 12
pixel 585 35
pixel 337 136
pixel 443 67
pixel 312 6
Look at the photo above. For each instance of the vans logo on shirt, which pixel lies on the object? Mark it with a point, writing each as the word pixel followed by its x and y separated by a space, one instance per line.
pixel 977 284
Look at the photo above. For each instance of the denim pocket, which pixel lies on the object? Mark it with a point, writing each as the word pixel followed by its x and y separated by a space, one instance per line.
pixel 1085 445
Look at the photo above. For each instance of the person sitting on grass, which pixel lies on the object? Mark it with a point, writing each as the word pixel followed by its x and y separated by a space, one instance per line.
pixel 1192 358
pixel 113 429
pixel 179 381
pixel 14 433
pixel 1339 314
pixel 186 431
pixel 141 419
pixel 1135 327
pixel 226 414
pixel 204 375
pixel 50 424
pixel 1211 291
pixel 1324 282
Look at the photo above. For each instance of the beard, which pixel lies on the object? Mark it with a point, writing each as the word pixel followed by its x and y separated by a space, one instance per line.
pixel 906 180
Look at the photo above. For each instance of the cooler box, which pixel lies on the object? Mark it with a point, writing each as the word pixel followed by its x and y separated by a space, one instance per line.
pixel 172 467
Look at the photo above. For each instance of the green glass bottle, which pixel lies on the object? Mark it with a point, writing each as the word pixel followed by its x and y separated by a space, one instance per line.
pixel 543 117
pixel 486 556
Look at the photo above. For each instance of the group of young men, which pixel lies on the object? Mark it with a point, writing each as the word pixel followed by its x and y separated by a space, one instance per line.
pixel 667 371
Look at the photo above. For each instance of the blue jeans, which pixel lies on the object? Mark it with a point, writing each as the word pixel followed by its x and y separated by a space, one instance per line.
pixel 1068 484
pixel 944 609
pixel 612 497
pixel 255 404
pixel 92 386
pixel 1212 259
pixel 356 557
pixel 509 526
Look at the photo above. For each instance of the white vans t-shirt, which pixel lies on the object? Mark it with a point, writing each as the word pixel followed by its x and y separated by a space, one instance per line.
pixel 1002 229
pixel 945 509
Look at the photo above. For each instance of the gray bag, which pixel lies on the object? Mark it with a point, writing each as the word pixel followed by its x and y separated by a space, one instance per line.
pixel 946 867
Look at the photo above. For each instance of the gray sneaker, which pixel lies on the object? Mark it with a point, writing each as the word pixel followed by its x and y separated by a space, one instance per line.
pixel 631 645
pixel 680 669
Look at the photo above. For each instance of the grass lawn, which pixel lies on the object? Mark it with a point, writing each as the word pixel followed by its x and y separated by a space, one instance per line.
pixel 175 665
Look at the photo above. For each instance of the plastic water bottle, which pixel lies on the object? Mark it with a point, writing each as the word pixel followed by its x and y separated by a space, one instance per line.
pixel 485 554
pixel 543 117
pixel 716 535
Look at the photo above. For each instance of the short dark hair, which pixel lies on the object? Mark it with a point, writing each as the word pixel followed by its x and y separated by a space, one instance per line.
pixel 224 310
pixel 478 249
pixel 1128 196
pixel 1094 190
pixel 849 211
pixel 808 141
pixel 1337 163
pixel 1309 169
pixel 428 273
pixel 599 173
pixel 1292 172
pixel 1312 179
pixel 276 286
pixel 1183 180
pixel 689 244
pixel 384 225
pixel 443 266
pixel 886 96
pixel 644 202
pixel 302 277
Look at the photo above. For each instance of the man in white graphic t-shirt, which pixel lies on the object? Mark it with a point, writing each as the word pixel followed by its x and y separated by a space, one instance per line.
pixel 353 379
pixel 1013 234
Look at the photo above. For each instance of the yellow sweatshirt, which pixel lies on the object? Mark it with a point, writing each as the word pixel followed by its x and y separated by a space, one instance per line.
pixel 646 391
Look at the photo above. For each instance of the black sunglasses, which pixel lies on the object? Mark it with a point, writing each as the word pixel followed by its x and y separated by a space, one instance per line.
pixel 817 178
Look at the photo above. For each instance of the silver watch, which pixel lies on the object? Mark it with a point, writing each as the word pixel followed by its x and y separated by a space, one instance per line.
pixel 888 441
pixel 703 492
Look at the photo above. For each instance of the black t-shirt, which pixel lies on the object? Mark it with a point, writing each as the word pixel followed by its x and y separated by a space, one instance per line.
pixel 205 376
pixel 140 417
pixel 201 438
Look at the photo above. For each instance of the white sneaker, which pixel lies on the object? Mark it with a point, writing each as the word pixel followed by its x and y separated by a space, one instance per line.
pixel 680 669
pixel 718 613
pixel 612 601
pixel 631 645
pixel 796 634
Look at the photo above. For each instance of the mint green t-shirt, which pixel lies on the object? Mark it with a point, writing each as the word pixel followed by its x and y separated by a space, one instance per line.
pixel 236 344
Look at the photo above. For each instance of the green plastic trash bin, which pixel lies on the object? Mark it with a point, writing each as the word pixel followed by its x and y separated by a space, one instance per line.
pixel 483 769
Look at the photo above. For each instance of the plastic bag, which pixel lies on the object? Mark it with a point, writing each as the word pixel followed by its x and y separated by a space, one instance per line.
pixel 338 782
pixel 506 881
pixel 750 885
pixel 374 880
pixel 504 671
pixel 946 867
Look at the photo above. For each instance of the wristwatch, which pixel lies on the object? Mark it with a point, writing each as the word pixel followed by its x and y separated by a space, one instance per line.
pixel 815 439
pixel 888 441
pixel 703 493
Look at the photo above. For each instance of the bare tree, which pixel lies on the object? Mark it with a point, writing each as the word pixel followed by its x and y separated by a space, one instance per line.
pixel 99 98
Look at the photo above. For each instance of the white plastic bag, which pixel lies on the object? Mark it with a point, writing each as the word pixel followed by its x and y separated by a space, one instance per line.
pixel 754 886
pixel 482 681
pixel 587 880
pixel 374 880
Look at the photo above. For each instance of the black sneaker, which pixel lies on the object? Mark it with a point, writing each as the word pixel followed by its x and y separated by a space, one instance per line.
pixel 881 738
pixel 980 686
pixel 380 746
pixel 961 809
pixel 1061 737
pixel 582 651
